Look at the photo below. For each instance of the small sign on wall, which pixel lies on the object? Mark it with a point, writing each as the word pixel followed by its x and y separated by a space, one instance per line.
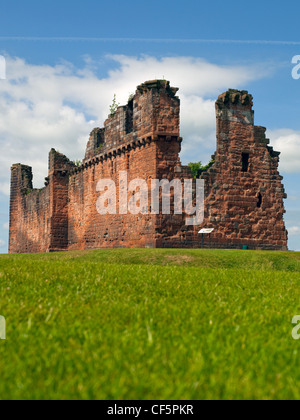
pixel 203 231
pixel 206 232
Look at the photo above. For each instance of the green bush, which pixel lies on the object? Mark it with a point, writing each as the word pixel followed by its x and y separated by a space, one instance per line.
pixel 198 169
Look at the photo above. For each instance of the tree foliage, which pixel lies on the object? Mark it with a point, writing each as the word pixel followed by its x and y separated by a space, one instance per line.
pixel 197 168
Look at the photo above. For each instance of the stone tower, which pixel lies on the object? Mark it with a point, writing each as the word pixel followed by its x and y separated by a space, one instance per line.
pixel 243 189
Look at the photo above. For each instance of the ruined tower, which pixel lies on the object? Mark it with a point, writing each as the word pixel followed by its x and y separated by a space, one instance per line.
pixel 243 189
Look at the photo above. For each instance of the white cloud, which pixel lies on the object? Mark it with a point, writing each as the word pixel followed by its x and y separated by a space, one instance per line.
pixel 6 226
pixel 2 243
pixel 4 186
pixel 198 127
pixel 43 106
pixel 294 231
pixel 194 76
pixel 288 143
pixel 293 227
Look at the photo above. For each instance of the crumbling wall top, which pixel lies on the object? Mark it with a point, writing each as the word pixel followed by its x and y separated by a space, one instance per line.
pixel 153 110
pixel 235 106
pixel 234 97
pixel 158 84
pixel 59 162
pixel 24 175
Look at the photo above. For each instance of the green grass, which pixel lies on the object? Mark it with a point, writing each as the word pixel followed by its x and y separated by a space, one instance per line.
pixel 150 324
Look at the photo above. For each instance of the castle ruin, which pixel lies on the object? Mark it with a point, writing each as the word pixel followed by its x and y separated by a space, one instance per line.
pixel 243 189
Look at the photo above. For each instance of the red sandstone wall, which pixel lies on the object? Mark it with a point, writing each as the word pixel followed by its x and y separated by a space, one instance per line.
pixel 132 147
pixel 29 214
pixel 153 111
pixel 142 138
pixel 89 229
pixel 39 218
pixel 156 110
pixel 59 169
pixel 231 195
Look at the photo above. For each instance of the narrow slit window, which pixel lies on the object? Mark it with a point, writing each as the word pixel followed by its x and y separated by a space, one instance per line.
pixel 245 162
pixel 129 117
pixel 259 200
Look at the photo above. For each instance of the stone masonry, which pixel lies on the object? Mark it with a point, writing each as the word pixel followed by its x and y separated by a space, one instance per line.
pixel 243 189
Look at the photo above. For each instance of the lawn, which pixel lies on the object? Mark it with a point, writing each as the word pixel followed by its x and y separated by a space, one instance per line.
pixel 150 324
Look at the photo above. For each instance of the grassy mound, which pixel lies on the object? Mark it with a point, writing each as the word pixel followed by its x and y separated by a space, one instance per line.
pixel 150 324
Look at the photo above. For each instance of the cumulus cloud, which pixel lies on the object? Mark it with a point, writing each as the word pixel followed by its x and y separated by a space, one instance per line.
pixel 288 143
pixel 194 76
pixel 293 226
pixel 198 128
pixel 294 231
pixel 44 106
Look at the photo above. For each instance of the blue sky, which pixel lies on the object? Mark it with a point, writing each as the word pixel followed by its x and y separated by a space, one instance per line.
pixel 65 61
